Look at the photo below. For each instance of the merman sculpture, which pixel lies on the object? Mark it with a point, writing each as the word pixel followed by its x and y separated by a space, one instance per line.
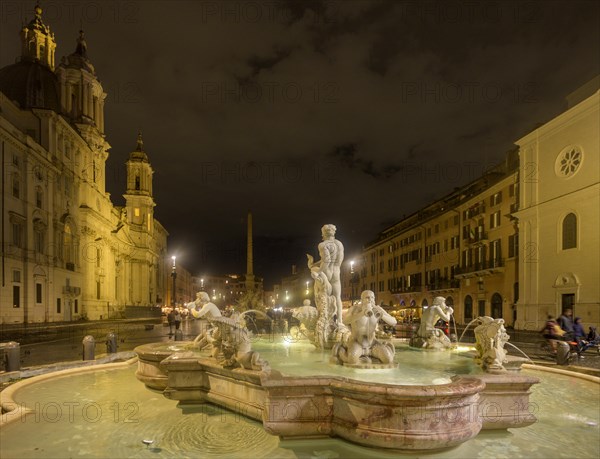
pixel 359 345
pixel 429 337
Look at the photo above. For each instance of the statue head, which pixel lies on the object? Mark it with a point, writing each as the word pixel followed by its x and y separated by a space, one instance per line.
pixel 328 231
pixel 203 297
pixel 439 301
pixel 306 302
pixel 367 296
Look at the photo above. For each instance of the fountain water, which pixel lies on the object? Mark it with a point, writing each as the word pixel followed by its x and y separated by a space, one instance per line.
pixel 466 328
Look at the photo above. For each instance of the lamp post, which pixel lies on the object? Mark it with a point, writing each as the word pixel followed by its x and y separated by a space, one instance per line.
pixel 174 276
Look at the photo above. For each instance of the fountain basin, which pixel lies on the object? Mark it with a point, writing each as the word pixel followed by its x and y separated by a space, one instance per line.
pixel 417 417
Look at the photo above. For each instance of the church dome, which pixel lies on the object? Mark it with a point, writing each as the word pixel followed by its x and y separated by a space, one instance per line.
pixel 31 84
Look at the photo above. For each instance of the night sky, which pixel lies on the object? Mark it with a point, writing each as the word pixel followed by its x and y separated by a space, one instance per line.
pixel 311 112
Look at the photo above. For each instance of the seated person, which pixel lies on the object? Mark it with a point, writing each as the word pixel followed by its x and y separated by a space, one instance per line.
pixel 593 337
pixel 579 335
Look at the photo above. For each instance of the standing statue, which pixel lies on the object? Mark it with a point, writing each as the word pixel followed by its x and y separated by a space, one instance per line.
pixel 331 252
pixel 428 336
pixel 490 338
pixel 359 344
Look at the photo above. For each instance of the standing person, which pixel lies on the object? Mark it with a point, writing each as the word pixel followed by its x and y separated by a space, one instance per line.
pixel 332 255
pixel 566 323
pixel 171 320
pixel 177 320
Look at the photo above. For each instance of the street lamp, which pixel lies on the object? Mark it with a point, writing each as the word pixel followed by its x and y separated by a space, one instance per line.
pixel 307 288
pixel 174 275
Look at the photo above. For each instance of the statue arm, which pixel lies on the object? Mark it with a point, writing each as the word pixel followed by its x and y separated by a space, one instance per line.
pixel 388 319
pixel 444 315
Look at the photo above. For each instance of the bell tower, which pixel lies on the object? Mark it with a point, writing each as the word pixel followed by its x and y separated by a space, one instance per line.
pixel 37 42
pixel 82 95
pixel 138 196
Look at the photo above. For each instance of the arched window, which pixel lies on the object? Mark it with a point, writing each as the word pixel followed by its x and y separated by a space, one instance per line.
pixel 497 306
pixel 450 301
pixel 424 303
pixel 137 182
pixel 569 232
pixel 468 308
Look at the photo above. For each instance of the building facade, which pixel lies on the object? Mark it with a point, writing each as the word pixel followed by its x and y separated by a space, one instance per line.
pixel 68 252
pixel 462 247
pixel 519 243
pixel 559 216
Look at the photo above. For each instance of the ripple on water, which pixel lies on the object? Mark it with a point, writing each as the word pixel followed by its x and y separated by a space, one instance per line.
pixel 216 435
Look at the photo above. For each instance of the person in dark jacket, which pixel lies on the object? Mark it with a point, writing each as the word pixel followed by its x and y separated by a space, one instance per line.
pixel 579 334
pixel 566 323
pixel 593 337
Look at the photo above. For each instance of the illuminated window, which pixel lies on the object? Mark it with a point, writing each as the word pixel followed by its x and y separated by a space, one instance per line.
pixel 136 211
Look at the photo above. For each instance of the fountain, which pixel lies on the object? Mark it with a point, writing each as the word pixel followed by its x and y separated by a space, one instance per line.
pixel 341 402
pixel 101 412
pixel 405 400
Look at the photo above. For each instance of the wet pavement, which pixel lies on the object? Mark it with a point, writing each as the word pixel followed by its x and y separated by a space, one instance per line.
pixel 63 343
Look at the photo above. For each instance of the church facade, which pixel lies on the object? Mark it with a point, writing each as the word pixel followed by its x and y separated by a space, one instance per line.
pixel 559 214
pixel 68 253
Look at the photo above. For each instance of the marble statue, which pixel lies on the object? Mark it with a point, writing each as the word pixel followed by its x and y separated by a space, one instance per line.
pixel 232 347
pixel 490 338
pixel 428 336
pixel 328 287
pixel 228 339
pixel 307 315
pixel 331 252
pixel 200 308
pixel 359 344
